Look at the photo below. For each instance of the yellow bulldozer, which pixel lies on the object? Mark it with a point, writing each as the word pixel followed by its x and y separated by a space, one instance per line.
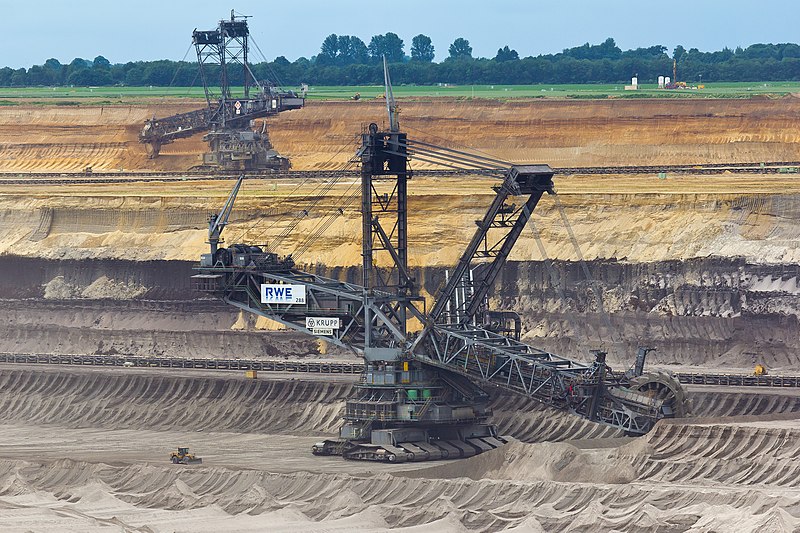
pixel 183 457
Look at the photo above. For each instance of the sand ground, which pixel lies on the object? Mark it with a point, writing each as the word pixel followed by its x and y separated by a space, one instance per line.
pixel 110 472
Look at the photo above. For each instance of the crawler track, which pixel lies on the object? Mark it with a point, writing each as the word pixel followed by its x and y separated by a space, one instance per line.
pixel 335 367
pixel 62 178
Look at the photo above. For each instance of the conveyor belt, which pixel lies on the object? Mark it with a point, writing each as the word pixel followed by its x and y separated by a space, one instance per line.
pixel 335 367
pixel 738 380
pixel 74 178
pixel 261 365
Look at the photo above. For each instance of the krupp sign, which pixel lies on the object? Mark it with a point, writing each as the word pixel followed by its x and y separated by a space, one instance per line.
pixel 282 294
pixel 321 323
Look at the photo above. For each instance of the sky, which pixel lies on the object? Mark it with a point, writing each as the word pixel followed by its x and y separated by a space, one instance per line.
pixel 146 30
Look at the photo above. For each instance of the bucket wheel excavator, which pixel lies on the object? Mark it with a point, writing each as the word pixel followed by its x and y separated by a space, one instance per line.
pixel 228 118
pixel 423 392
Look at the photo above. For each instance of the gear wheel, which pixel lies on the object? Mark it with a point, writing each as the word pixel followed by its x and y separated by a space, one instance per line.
pixel 665 386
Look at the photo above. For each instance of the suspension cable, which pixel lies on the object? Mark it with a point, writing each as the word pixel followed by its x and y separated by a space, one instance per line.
pixel 592 282
pixel 468 155
pixel 554 278
pixel 283 215
pixel 447 157
pixel 180 64
pixel 324 224
pixel 450 142
pixel 278 81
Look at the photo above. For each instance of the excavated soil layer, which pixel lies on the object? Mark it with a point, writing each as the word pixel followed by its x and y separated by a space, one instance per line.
pixel 91 497
pixel 227 403
pixel 104 137
pixel 562 133
pixel 715 311
pixel 704 268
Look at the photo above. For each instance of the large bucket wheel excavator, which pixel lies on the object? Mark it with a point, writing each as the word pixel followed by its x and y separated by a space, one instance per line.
pixel 423 392
pixel 229 116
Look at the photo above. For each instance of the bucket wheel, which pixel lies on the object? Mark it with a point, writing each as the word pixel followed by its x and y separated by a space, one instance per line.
pixel 664 386
pixel 153 148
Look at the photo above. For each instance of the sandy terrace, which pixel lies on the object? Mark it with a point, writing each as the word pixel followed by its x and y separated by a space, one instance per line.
pixel 105 470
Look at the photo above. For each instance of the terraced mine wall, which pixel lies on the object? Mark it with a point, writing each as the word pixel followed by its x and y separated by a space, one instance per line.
pixel 124 307
pixel 120 399
pixel 562 133
pixel 715 311
pixel 701 267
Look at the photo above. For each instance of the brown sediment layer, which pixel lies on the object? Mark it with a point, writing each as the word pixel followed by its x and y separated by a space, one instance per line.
pixel 323 134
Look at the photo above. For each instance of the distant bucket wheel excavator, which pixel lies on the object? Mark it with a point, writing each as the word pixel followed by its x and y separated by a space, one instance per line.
pixel 229 118
pixel 423 394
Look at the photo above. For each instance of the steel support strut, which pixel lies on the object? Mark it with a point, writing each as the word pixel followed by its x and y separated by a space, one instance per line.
pixel 382 164
pixel 533 181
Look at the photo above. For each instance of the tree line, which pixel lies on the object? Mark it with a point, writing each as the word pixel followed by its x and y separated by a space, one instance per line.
pixel 348 60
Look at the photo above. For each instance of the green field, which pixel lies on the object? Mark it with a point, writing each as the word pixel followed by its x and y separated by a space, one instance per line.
pixel 74 95
pixel 716 90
